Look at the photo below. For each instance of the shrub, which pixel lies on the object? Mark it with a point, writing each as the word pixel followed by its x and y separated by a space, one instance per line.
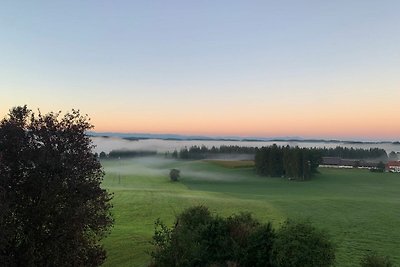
pixel 200 239
pixel 183 244
pixel 240 227
pixel 372 259
pixel 174 174
pixel 300 244
pixel 259 248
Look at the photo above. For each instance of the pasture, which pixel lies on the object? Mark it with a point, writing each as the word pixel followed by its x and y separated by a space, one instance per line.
pixel 359 209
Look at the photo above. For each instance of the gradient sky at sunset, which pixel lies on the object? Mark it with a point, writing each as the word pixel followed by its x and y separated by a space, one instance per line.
pixel 328 69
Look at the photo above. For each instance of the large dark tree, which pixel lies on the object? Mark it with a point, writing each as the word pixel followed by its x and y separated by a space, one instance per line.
pixel 53 211
pixel 292 162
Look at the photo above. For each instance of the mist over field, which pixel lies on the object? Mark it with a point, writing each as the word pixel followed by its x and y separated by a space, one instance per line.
pixel 161 146
pixel 159 166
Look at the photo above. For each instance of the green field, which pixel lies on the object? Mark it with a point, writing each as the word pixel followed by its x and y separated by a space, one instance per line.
pixel 359 209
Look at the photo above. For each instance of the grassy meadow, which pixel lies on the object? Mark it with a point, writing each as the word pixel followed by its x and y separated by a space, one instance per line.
pixel 359 209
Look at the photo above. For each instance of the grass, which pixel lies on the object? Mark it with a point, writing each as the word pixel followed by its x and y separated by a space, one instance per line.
pixel 359 209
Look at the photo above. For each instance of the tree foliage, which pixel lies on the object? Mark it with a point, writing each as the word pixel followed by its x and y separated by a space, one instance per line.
pixel 115 154
pixel 300 244
pixel 380 167
pixel 54 211
pixel 202 152
pixel 199 238
pixel 292 162
pixel 353 153
pixel 174 174
pixel 393 156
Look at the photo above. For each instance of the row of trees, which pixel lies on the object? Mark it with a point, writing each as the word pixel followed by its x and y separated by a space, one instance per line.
pixel 291 162
pixel 115 154
pixel 202 152
pixel 353 153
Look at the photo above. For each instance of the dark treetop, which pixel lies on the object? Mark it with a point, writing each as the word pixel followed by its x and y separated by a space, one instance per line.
pixel 53 210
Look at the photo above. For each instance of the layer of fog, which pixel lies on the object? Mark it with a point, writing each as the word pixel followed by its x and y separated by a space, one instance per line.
pixel 146 166
pixel 160 166
pixel 162 146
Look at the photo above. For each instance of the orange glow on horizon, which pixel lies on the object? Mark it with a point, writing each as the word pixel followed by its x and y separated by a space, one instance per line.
pixel 335 125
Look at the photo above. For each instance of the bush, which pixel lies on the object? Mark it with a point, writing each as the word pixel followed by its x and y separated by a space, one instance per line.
pixel 174 175
pixel 372 259
pixel 183 244
pixel 240 227
pixel 300 244
pixel 259 248
pixel 200 239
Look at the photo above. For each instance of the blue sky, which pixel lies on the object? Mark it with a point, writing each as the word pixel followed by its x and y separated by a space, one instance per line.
pixel 231 66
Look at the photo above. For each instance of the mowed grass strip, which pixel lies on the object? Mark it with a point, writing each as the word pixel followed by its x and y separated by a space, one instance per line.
pixel 359 209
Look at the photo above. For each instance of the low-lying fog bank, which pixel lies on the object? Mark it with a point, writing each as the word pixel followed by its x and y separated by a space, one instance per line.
pixel 160 166
pixel 161 146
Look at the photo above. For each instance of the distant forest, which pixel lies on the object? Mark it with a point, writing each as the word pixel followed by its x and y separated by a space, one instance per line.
pixel 127 154
pixel 293 162
pixel 202 152
pixel 353 153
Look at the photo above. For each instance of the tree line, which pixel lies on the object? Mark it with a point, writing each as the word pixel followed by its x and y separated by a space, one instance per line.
pixel 286 161
pixel 353 153
pixel 203 152
pixel 115 154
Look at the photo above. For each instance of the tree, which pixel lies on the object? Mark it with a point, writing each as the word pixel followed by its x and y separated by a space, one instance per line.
pixel 199 238
pixel 174 174
pixel 290 162
pixel 259 249
pixel 392 156
pixel 380 167
pixel 300 244
pixel 103 155
pixel 54 212
pixel 182 245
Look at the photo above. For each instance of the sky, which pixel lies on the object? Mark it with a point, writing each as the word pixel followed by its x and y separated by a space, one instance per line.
pixel 326 69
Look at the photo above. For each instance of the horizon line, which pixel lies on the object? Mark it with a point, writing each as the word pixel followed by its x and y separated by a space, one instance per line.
pixel 239 138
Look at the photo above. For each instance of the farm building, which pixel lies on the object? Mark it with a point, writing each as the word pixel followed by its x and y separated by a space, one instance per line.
pixel 393 166
pixel 347 163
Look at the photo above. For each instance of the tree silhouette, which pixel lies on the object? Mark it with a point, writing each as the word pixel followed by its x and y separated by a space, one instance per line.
pixel 53 210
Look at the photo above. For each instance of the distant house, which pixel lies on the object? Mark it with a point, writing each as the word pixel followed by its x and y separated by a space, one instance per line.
pixel 393 166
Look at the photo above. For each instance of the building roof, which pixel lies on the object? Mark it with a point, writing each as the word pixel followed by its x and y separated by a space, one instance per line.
pixel 348 162
pixel 393 164
pixel 331 160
